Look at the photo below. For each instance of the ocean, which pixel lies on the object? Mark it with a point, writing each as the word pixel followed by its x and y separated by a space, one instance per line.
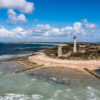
pixel 16 50
pixel 28 87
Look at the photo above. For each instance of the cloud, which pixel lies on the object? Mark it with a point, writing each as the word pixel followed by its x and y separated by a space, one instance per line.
pixel 88 25
pixel 5 33
pixel 21 19
pixel 73 30
pixel 42 32
pixel 20 5
pixel 19 32
pixel 14 19
pixel 16 33
pixel 78 29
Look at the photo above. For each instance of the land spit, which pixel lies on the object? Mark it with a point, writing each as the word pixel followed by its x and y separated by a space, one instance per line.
pixel 41 58
pixel 61 71
pixel 65 71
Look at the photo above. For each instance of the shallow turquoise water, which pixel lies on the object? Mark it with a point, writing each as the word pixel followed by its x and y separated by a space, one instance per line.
pixel 25 87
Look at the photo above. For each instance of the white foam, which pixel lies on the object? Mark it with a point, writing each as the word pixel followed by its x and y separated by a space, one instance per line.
pixel 33 79
pixel 53 78
pixel 12 96
pixel 57 93
pixel 91 93
pixel 37 97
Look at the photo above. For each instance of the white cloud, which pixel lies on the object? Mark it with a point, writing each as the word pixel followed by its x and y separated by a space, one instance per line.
pixel 75 29
pixel 67 29
pixel 11 17
pixel 42 27
pixel 41 31
pixel 78 29
pixel 20 5
pixel 19 32
pixel 14 19
pixel 88 25
pixel 16 33
pixel 21 19
pixel 5 33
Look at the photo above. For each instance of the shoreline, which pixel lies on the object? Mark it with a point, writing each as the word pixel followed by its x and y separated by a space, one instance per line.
pixel 46 43
pixel 41 58
pixel 63 72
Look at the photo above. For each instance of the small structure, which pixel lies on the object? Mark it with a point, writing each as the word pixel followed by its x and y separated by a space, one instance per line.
pixel 60 51
pixel 74 46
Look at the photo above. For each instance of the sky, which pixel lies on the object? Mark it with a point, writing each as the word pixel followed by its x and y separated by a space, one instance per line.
pixel 49 20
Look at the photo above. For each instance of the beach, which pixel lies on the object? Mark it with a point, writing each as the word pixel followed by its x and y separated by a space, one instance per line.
pixel 41 58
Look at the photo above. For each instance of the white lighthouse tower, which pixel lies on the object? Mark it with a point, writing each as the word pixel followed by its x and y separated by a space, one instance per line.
pixel 74 46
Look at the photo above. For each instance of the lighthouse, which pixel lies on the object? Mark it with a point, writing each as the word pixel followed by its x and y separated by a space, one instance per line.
pixel 74 44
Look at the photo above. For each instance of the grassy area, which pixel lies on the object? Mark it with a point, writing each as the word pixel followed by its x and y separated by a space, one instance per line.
pixel 84 52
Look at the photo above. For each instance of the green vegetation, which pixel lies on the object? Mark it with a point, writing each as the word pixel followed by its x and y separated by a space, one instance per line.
pixel 84 52
pixel 52 52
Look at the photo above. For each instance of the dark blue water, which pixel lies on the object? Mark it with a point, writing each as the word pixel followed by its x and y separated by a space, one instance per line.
pixel 13 50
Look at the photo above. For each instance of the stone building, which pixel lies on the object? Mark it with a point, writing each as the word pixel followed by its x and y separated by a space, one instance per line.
pixel 74 44
pixel 60 51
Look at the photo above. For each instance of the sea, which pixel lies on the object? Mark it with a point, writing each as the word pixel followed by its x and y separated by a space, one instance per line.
pixel 22 86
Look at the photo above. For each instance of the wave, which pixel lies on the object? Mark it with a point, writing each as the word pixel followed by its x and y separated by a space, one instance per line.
pixel 13 96
pixel 88 93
